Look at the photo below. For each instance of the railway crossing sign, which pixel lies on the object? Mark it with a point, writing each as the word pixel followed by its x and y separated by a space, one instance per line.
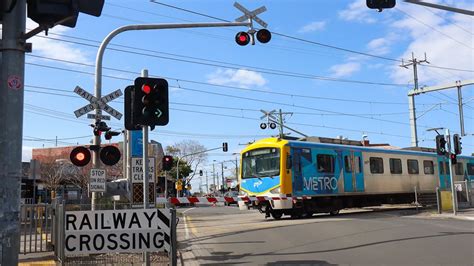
pixel 97 180
pixel 252 15
pixel 95 103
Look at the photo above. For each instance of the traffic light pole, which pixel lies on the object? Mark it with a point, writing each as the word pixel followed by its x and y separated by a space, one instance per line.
pixel 100 55
pixel 453 191
pixel 12 47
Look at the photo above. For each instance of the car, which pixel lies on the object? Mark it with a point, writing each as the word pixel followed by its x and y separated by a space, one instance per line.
pixel 231 193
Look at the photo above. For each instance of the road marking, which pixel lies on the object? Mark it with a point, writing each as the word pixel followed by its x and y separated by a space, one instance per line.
pixel 186 230
pixel 189 209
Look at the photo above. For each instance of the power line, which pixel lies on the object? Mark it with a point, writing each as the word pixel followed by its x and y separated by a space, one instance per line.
pixel 433 28
pixel 209 84
pixel 308 41
pixel 453 23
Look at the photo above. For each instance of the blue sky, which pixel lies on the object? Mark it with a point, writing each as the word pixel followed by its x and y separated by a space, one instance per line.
pixel 217 87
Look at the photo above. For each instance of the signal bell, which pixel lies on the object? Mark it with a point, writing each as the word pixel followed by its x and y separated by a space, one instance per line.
pixel 80 156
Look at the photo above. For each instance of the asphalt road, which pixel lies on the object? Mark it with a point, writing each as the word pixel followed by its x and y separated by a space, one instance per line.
pixel 225 235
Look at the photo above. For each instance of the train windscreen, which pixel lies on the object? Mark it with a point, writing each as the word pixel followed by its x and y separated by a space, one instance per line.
pixel 261 163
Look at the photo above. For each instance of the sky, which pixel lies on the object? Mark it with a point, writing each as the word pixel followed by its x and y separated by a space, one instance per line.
pixel 333 65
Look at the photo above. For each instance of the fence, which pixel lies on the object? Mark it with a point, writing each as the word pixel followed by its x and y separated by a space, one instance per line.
pixel 463 193
pixel 36 228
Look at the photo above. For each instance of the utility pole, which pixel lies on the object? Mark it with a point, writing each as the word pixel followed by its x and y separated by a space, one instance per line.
pixel 222 176
pixel 12 76
pixel 461 114
pixel 411 98
pixel 236 169
pixel 214 176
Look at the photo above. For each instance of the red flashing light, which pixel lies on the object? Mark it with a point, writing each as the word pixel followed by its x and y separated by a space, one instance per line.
pixel 80 156
pixel 146 88
pixel 242 38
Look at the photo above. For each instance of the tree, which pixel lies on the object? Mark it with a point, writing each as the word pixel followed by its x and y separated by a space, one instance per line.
pixel 52 175
pixel 192 155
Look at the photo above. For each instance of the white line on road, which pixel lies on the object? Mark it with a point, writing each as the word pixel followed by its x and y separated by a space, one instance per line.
pixel 186 229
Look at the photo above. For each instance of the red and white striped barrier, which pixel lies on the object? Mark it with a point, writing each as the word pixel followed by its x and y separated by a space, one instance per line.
pixel 179 200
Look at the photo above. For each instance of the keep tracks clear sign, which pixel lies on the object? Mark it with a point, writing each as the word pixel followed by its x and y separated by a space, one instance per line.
pixel 92 232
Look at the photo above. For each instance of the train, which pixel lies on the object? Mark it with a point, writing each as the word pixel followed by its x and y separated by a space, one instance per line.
pixel 301 177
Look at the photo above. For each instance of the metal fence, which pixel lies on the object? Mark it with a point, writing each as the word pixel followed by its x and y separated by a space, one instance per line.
pixel 36 228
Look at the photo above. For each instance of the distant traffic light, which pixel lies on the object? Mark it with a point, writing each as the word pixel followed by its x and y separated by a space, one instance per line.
pixel 109 155
pixel 200 172
pixel 457 144
pixel 440 145
pixel 225 147
pixel 454 159
pixel 167 162
pixel 80 156
pixel 380 4
pixel 149 103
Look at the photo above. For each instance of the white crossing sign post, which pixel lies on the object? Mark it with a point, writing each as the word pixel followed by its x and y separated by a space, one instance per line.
pixel 137 230
pixel 97 103
pixel 137 170
pixel 97 180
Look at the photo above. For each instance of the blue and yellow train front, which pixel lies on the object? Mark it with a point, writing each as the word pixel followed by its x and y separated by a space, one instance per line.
pixel 265 171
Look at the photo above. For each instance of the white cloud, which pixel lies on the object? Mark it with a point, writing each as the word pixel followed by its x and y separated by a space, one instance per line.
pixel 344 70
pixel 448 46
pixel 358 11
pixel 381 46
pixel 56 49
pixel 313 26
pixel 240 78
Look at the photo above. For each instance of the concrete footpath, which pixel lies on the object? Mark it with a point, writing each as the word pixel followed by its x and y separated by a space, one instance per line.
pixel 462 214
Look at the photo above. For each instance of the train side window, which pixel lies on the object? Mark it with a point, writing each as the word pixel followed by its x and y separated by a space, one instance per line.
pixel 470 168
pixel 413 168
pixel 325 163
pixel 428 167
pixel 458 169
pixel 395 166
pixel 358 168
pixel 376 165
pixel 441 168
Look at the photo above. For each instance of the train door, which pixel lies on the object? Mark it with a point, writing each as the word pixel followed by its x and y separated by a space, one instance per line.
pixel 443 170
pixel 353 176
pixel 301 159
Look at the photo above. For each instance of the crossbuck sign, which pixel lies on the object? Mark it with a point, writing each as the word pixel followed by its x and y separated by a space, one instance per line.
pixel 96 103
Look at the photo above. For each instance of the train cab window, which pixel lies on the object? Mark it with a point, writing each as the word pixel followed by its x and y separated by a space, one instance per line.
pixel 458 169
pixel 413 168
pixel 395 166
pixel 470 168
pixel 376 165
pixel 428 167
pixel 325 163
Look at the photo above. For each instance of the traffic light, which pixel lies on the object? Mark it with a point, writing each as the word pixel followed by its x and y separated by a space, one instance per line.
pixel 80 156
pixel 440 145
pixel 225 147
pixel 109 155
pixel 200 172
pixel 457 144
pixel 454 159
pixel 150 102
pixel 380 4
pixel 167 162
pixel 49 13
pixel 243 38
pixel 130 124
pixel 109 134
pixel 264 36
